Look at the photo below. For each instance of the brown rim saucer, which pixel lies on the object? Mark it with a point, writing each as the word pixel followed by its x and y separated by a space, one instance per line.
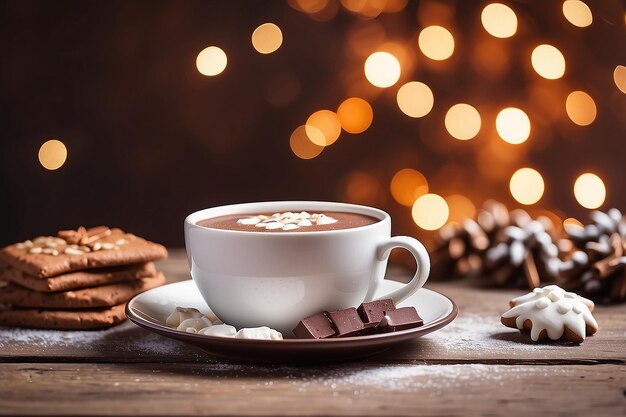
pixel 150 309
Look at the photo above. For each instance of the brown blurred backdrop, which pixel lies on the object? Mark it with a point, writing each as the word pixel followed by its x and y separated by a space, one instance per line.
pixel 149 139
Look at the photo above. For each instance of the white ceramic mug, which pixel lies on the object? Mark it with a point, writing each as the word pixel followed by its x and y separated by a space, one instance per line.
pixel 254 278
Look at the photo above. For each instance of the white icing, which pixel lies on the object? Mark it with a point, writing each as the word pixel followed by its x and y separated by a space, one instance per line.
pixel 221 330
pixel 287 220
pixel 553 309
pixel 264 333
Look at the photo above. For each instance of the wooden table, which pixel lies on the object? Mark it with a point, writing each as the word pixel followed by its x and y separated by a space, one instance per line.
pixel 473 366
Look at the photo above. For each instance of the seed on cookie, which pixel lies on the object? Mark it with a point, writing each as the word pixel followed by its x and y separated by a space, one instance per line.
pixel 35 250
pixel 72 251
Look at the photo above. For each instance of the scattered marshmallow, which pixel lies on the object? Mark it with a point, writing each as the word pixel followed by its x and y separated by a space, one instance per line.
pixel 191 320
pixel 263 333
pixel 221 330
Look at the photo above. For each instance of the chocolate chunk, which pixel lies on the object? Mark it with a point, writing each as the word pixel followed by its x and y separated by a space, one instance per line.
pixel 317 326
pixel 400 319
pixel 373 311
pixel 346 322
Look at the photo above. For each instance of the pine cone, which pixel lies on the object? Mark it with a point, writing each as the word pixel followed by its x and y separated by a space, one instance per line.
pixel 596 267
pixel 524 253
pixel 459 248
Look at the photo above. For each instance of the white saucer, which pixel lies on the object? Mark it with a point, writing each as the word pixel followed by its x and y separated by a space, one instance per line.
pixel 151 308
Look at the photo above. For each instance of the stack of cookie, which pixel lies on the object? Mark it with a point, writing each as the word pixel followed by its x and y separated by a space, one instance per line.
pixel 79 279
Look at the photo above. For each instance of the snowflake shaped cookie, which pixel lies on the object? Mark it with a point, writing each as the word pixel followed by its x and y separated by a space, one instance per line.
pixel 552 312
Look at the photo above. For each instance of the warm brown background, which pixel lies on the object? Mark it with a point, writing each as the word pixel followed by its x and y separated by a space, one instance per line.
pixel 150 139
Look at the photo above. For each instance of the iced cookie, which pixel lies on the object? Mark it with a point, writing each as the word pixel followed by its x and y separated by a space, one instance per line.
pixel 553 313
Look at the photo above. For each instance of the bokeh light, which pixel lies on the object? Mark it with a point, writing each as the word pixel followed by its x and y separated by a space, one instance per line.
pixel 570 221
pixel 619 76
pixel 577 13
pixel 430 212
pixel 211 61
pixel 436 42
pixel 580 108
pixel 499 20
pixel 267 38
pixel 460 207
pixel 415 99
pixel 355 115
pixel 394 6
pixel 362 188
pixel 319 10
pixel 308 6
pixel 382 69
pixel 513 125
pixel 589 190
pixel 407 185
pixel 526 186
pixel 548 61
pixel 366 8
pixel 463 121
pixel 52 154
pixel 325 122
pixel 302 145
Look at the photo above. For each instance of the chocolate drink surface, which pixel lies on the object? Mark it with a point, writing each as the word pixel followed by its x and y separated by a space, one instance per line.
pixel 290 221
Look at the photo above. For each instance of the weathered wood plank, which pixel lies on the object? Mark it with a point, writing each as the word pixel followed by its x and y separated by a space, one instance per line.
pixel 476 335
pixel 219 389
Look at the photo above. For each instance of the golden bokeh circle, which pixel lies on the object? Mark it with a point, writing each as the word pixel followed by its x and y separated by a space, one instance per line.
pixel 407 185
pixel 527 186
pixel 52 154
pixel 463 121
pixel 430 211
pixel 415 99
pixel 211 61
pixel 513 125
pixel 589 190
pixel 577 13
pixel 499 20
pixel 382 69
pixel 436 42
pixel 301 144
pixel 326 122
pixel 548 62
pixel 580 108
pixel 267 38
pixel 355 115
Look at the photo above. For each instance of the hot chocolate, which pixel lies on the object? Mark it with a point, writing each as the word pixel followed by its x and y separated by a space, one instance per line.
pixel 290 221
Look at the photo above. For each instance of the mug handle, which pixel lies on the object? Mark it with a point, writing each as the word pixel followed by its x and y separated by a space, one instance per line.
pixel 422 260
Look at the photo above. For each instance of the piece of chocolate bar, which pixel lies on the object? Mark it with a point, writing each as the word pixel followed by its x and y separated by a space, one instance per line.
pixel 400 319
pixel 348 323
pixel 317 326
pixel 373 311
